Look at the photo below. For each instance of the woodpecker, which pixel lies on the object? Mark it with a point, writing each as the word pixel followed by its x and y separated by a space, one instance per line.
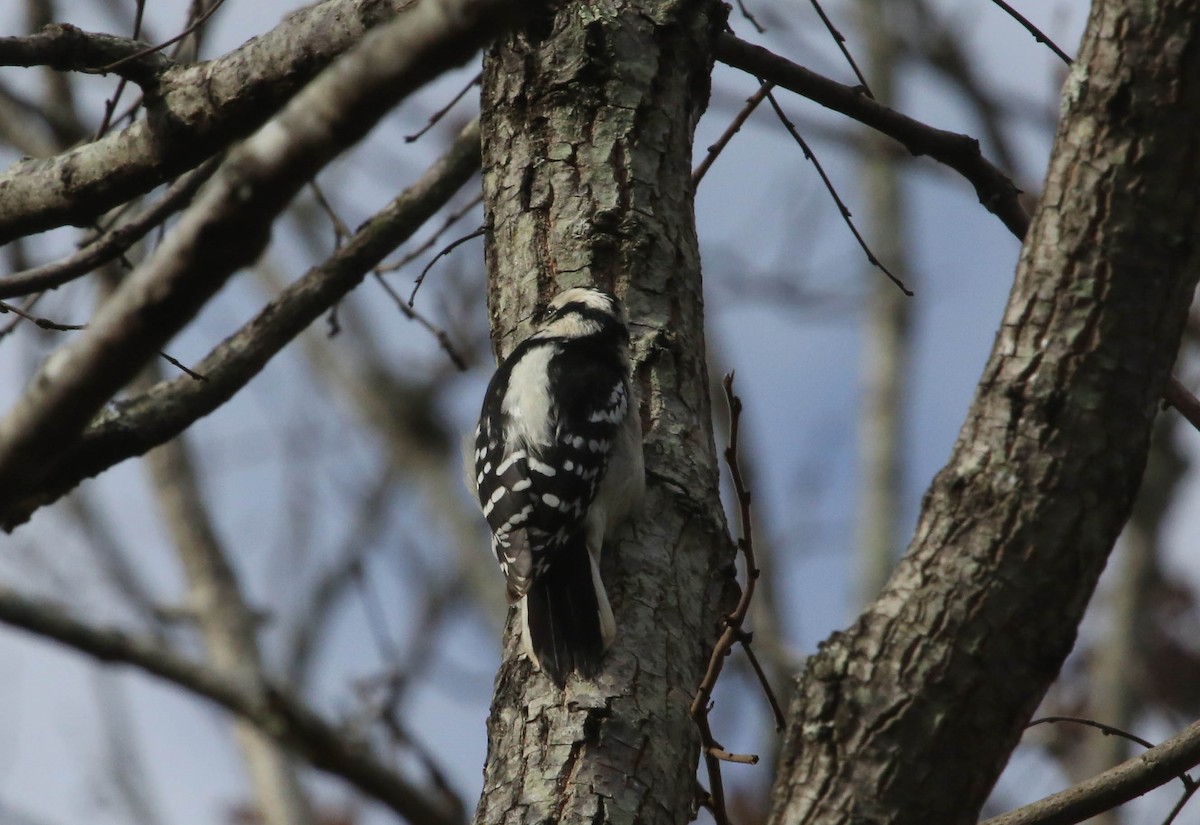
pixel 558 466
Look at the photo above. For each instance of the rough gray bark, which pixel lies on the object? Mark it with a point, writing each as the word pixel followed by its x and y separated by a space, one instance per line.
pixel 910 715
pixel 588 121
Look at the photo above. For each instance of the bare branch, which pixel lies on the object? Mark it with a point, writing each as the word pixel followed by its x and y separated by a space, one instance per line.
pixel 840 39
pixel 229 224
pixel 242 90
pixel 151 50
pixel 734 127
pixel 110 244
pixel 227 624
pixel 1114 787
pixel 1181 398
pixel 1107 730
pixel 67 48
pixel 1034 30
pixel 272 711
pixel 714 754
pixel 446 250
pixel 442 112
pixel 843 210
pixel 410 256
pixel 407 310
pixel 961 153
pixel 168 408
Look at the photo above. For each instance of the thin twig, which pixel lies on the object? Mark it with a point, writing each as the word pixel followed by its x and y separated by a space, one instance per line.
pixel 776 710
pixel 196 10
pixel 30 301
pixel 341 231
pixel 443 338
pixel 961 153
pixel 110 105
pixel 44 323
pixel 442 112
pixel 733 633
pixel 712 763
pixel 842 208
pixel 840 39
pixel 110 244
pixel 734 625
pixel 1107 730
pixel 1183 800
pixel 175 362
pixel 197 23
pixel 739 758
pixel 451 219
pixel 1034 30
pixel 944 49
pixel 734 127
pixel 1176 395
pixel 1115 786
pixel 750 17
pixel 377 622
pixel 441 783
pixel 450 247
pixel 360 536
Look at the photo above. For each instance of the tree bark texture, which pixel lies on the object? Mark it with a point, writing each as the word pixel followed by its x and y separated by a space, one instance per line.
pixel 588 116
pixel 910 715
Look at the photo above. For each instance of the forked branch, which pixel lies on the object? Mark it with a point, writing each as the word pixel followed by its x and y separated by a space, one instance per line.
pixel 734 631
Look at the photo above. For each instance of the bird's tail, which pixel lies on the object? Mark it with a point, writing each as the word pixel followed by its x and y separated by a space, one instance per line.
pixel 567 621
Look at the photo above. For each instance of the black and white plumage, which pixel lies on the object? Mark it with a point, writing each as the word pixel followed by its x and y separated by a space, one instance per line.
pixel 558 465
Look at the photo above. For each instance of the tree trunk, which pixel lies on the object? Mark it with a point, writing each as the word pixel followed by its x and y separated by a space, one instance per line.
pixel 910 715
pixel 886 334
pixel 588 118
pixel 226 624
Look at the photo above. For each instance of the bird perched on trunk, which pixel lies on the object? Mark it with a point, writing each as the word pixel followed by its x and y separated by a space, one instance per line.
pixel 558 465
